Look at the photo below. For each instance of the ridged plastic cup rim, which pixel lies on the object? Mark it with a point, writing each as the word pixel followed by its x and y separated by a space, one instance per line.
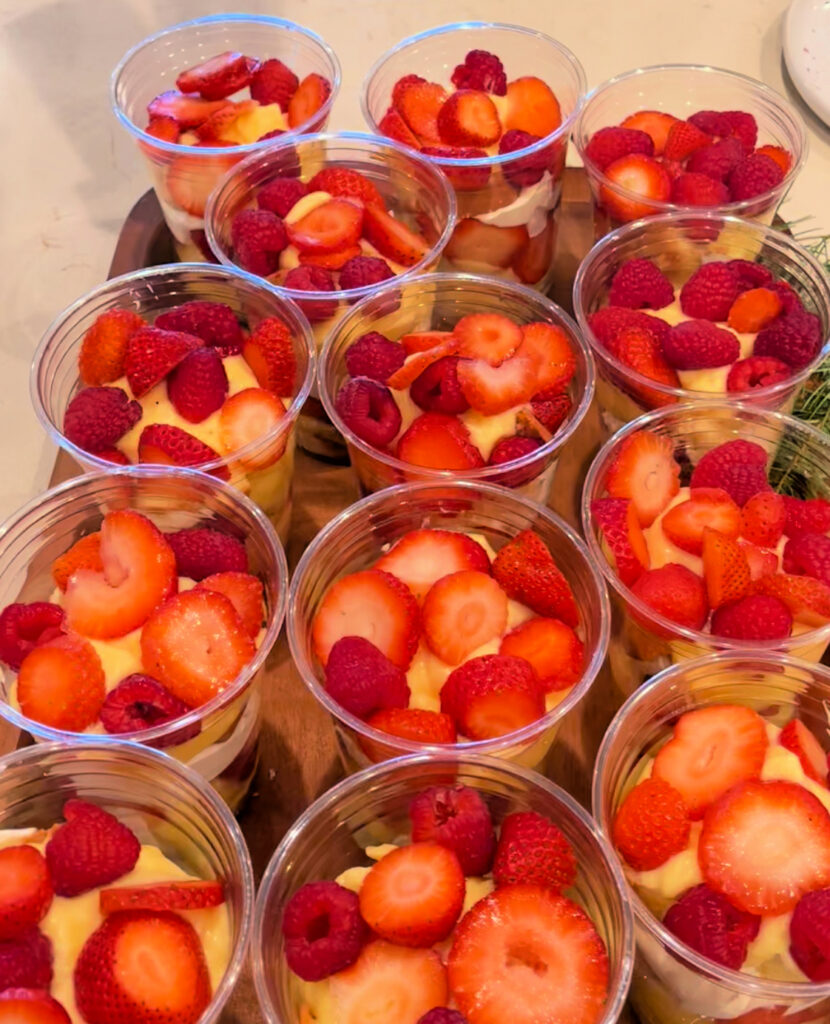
pixel 364 781
pixel 272 22
pixel 295 144
pixel 748 984
pixel 482 473
pixel 497 158
pixel 619 236
pixel 195 716
pixel 412 492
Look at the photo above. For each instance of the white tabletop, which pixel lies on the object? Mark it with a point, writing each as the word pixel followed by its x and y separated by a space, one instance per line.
pixel 71 173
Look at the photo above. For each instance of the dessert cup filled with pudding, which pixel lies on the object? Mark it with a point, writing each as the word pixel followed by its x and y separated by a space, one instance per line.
pixel 682 307
pixel 476 614
pixel 200 96
pixel 325 219
pixel 520 911
pixel 710 523
pixel 455 377
pixel 493 106
pixel 675 136
pixel 184 365
pixel 730 889
pixel 140 605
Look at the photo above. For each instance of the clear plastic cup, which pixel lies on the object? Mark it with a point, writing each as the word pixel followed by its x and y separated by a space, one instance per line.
pixel 643 642
pixel 672 984
pixel 54 376
pixel 218 740
pixel 356 538
pixel 682 90
pixel 164 804
pixel 372 807
pixel 413 190
pixel 504 230
pixel 678 243
pixel 437 302
pixel 152 66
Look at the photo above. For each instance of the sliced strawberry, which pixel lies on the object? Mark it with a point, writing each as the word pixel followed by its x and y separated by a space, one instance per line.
pixel 682 139
pixel 807 599
pixel 712 749
pixel 84 554
pixel 764 845
pixel 61 684
pixel 495 389
pixel 393 239
pixel 330 260
pixel 251 415
pixel 186 111
pixel 374 605
pixel 30 1006
pixel 725 568
pixel 760 562
pixel 345 182
pixel 526 954
pixel 644 470
pixel 651 825
pixel 162 128
pixel 415 363
pixel 554 651
pixel 166 445
pixel 196 645
pixel 334 225
pixel 763 518
pixel 309 97
pixel 488 336
pixel 655 123
pixel 438 441
pixel 191 179
pixel 245 593
pixel 675 592
pixel 536 256
pixel 419 105
pixel 491 244
pixel 421 557
pixel 492 695
pixel 636 173
pixel 221 127
pixel 617 520
pixel 269 351
pixel 152 353
pixel 639 349
pixel 104 348
pixel 684 524
pixel 139 572
pixel 218 77
pixel 422 341
pixel 551 352
pixel 527 572
pixel 469 118
pixel 797 738
pixel 170 896
pixel 25 890
pixel 394 127
pixel 461 612
pixel 532 107
pixel 414 724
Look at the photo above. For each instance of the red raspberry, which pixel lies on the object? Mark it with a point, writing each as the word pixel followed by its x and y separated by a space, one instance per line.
pixel 808 554
pixel 323 930
pixel 456 817
pixel 26 962
pixel 789 300
pixel 757 372
pixel 551 410
pixel 750 275
pixel 97 418
pixel 718 160
pixel 693 189
pixel 713 122
pixel 362 679
pixel 360 271
pixel 437 389
pixel 24 626
pixel 369 409
pixel 442 1015
pixel 709 924
pixel 213 322
pixel 739 467
pixel 810 935
pixel 811 516
pixel 709 292
pixel 201 551
pixel 795 338
pixel 608 323
pixel 639 283
pixel 141 702
pixel 698 344
pixel 755 617
pixel 198 386
pixel 609 144
pixel 532 850
pixel 509 449
pixel 754 176
pixel 529 169
pixel 743 126
pixel 273 82
pixel 481 70
pixel 313 279
pixel 280 195
pixel 375 357
pixel 258 238
pixel 467 179
pixel 93 848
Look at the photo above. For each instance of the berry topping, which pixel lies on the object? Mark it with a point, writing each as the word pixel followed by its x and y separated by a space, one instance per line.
pixel 140 702
pixel 480 70
pixel 101 359
pixel 464 178
pixel 245 593
pixel 608 323
pixel 609 144
pixel 509 449
pixel 461 612
pixel 415 724
pixel 655 123
pixel 717 160
pixel 217 77
pixel 394 127
pixel 807 599
pixel 644 471
pixel 552 649
pixel 198 386
pixel 311 94
pixel 419 103
pixel 438 441
pixel 738 467
pixel 639 174
pixel 638 349
pixel 96 418
pixel 640 284
pixel 676 593
pixel 392 238
pixel 334 225
pixel 808 555
pixel 492 696
pixel 421 557
pixel 531 850
pixel 527 572
pixel 166 445
pixel 437 388
pixel 30 1006
pixel 323 930
pixel 495 389
pixel 754 617
pixel 346 183
pixel 25 961
pixel 61 684
pixel 797 738
pixel 251 416
pixel 528 170
pixel 684 523
pixel 25 892
pixel 458 818
pixel 258 238
pixel 710 292
pixel 273 82
pixel 361 271
pixel 617 519
pixel 795 338
pixel 362 679
pixel 811 516
pixel 280 195
pixel 24 626
pixel 699 344
pixel 691 189
pixel 710 925
pixel 651 825
pixel 761 561
pixel 421 357
pixel 213 322
pixel 369 410
pixel 152 353
pixel 725 568
pixel 375 357
pixel 754 309
pixel 532 107
pixel 751 275
pixel 173 896
pixel 469 118
pixel 91 849
pixel 757 372
pixel 488 336
pixel 442 1015
pixel 810 935
pixel 754 176
pixel 269 351
pixel 683 139
pixel 201 551
pixel 186 111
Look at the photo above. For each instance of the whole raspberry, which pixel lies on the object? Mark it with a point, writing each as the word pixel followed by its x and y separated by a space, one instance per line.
pixel 757 372
pixel 754 176
pixel 258 238
pixel 93 848
pixel 738 467
pixel 811 516
pixel 507 450
pixel 709 292
pixel 313 279
pixel 609 144
pixel 609 322
pixel 198 386
pixel 718 160
pixel 789 300
pixel 213 322
pixel 810 935
pixel 26 962
pixel 694 189
pixel 360 271
pixel 458 818
pixel 795 338
pixel 273 82
pixel 481 70
pixel 755 617
pixel 201 551
pixel 531 849
pixel 280 195
pixel 442 1015
pixel 699 344
pixel 97 418
pixel 750 275
pixel 323 930
pixel 375 357
pixel 437 389
pixel 24 626
pixel 713 122
pixel 651 825
pixel 808 554
pixel 527 170
pixel 640 284
pixel 369 409
pixel 743 126
pixel 362 679
pixel 466 178
pixel 709 924
pixel 141 702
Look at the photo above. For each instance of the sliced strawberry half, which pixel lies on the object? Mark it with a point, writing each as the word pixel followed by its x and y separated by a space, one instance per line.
pixel 61 684
pixel 486 243
pixel 252 415
pixel 422 341
pixel 797 738
pixel 551 352
pixel 527 572
pixel 330 227
pixel 725 568
pixel 393 239
pixel 807 599
pixel 617 520
pixel 191 179
pixel 656 123
pixel 419 103
pixel 421 557
pixel 492 695
pixel 553 650
pixel 495 389
pixel 461 612
pixel 152 353
pixel 165 445
pixel 85 553
pixel 25 890
pixel 438 441
pixel 218 77
pixel 684 524
pixel 469 118
pixel 644 470
pixel 394 127
pixel 418 361
pixel 245 593
pixel 168 896
pixel 488 336
pixel 269 351
pixel 309 97
pixel 414 724
pixel 640 174
pixel 532 107
pixel 30 1006
pixel 186 111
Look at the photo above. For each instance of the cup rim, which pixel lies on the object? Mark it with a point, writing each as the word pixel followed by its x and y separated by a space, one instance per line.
pixel 662 206
pixel 144 737
pixel 496 159
pixel 364 780
pixel 677 216
pixel 411 492
pixel 298 324
pixel 749 984
pixel 345 294
pixel 482 473
pixel 271 21
pixel 645 611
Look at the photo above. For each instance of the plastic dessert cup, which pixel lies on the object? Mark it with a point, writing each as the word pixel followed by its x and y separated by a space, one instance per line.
pixel 506 215
pixel 152 66
pixel 55 380
pixel 437 302
pixel 360 534
pixel 682 90
pixel 678 244
pixel 644 642
pixel 220 739
pixel 372 807
pixel 414 191
pixel 672 983
pixel 164 804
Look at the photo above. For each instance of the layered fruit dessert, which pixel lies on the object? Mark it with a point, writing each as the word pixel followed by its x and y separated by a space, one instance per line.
pixel 456 921
pixel 98 927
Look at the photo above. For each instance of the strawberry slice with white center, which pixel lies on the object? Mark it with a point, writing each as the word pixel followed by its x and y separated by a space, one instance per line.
pixel 251 415
pixel 797 738
pixel 245 593
pixel 461 612
pixel 392 239
pixel 30 1006
pixel 485 243
pixel 640 174
pixel 218 77
pixel 528 955
pixel 309 96
pixel 495 389
pixel 492 695
pixel 764 845
pixel 61 684
pixel 329 227
pixel 644 471
pixel 551 353
pixel 191 179
pixel 684 524
pixel 422 557
pixel 713 749
pixel 186 111
pixel 172 896
pixel 488 336
pixel 621 531
pixel 139 574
